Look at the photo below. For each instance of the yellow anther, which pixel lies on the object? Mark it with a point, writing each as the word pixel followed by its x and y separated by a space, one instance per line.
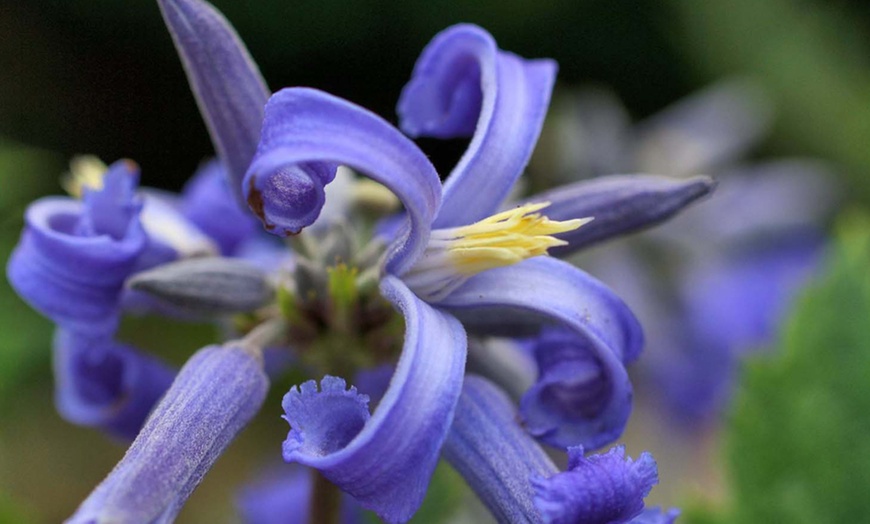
pixel 85 172
pixel 453 255
pixel 505 238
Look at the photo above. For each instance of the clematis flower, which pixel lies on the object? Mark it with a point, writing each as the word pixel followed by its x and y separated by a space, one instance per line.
pixel 448 262
pixel 458 261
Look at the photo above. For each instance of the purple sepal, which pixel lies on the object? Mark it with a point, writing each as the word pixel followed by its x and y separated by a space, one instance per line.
pixel 568 403
pixel 214 396
pixel 385 461
pixel 619 204
pixel 104 384
pixel 208 203
pixel 305 134
pixel 463 84
pixel 542 290
pixel 283 496
pixel 600 489
pixel 73 257
pixel 493 453
pixel 225 81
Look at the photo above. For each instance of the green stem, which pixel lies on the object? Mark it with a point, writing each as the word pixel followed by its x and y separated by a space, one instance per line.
pixel 325 501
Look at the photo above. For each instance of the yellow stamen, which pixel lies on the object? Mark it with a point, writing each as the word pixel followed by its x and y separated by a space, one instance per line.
pixel 85 172
pixel 506 238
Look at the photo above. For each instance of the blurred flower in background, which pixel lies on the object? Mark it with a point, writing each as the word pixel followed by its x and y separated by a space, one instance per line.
pixel 715 284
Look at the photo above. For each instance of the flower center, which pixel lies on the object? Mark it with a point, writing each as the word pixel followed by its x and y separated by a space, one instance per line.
pixel 453 255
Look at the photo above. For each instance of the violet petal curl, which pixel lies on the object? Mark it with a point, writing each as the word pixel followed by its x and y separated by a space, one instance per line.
pixel 225 81
pixel 494 454
pixel 214 396
pixel 463 84
pixel 600 489
pixel 572 389
pixel 619 204
pixel 387 465
pixel 303 129
pixel 542 290
pixel 104 384
pixel 73 257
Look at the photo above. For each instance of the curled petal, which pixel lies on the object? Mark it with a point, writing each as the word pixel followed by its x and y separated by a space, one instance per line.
pixel 101 383
pixel 225 80
pixel 566 404
pixel 601 489
pixel 493 453
pixel 619 204
pixel 543 289
pixel 305 132
pixel 72 278
pixel 386 466
pixel 208 202
pixel 214 396
pixel 463 84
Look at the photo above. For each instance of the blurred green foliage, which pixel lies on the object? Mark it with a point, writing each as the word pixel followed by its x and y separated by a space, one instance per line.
pixel 797 446
pixel 24 345
pixel 813 59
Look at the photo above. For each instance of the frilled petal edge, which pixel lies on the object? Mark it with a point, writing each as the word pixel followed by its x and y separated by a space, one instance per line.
pixel 386 466
pixel 462 83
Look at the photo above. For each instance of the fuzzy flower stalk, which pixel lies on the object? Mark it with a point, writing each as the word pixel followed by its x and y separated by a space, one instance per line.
pixel 383 281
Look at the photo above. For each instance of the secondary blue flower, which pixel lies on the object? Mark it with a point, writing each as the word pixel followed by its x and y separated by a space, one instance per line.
pixel 214 396
pixel 518 482
pixel 74 256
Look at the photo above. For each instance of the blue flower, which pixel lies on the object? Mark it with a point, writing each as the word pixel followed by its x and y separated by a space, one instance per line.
pixel 459 261
pixel 448 262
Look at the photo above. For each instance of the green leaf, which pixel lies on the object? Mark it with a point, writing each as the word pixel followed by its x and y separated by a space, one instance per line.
pixel 798 447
